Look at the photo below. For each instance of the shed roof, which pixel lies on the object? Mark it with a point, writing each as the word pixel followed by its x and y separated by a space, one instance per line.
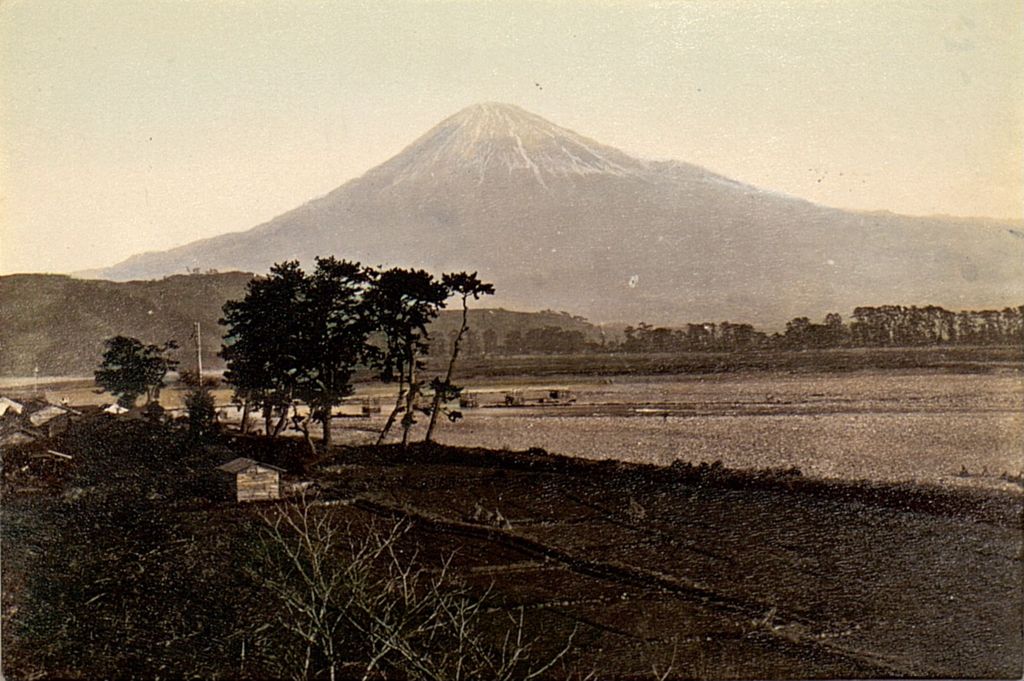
pixel 17 436
pixel 7 403
pixel 238 465
pixel 46 414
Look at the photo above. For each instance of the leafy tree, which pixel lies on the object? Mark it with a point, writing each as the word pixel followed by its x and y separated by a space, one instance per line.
pixel 259 344
pixel 897 325
pixel 464 286
pixel 298 337
pixel 333 325
pixel 700 337
pixel 835 332
pixel 131 369
pixel 402 302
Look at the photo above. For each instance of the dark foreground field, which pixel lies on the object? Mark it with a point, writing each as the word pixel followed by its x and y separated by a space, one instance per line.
pixel 128 562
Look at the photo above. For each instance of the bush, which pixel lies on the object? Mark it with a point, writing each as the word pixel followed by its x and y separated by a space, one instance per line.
pixel 202 414
pixel 353 601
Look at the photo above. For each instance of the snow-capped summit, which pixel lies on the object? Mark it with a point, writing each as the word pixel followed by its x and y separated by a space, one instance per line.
pixel 496 137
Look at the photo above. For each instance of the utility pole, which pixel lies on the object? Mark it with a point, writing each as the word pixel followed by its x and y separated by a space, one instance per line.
pixel 199 355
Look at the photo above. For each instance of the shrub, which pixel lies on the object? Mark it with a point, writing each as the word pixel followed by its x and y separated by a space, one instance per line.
pixel 202 414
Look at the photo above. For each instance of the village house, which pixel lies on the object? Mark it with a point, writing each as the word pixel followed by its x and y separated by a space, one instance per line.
pixel 9 405
pixel 13 436
pixel 253 481
pixel 51 419
pixel 21 423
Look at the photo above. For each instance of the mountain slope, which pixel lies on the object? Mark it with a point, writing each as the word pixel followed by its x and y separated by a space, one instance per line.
pixel 58 323
pixel 556 220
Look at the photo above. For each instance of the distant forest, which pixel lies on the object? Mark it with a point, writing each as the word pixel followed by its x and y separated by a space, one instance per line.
pixel 58 324
pixel 883 326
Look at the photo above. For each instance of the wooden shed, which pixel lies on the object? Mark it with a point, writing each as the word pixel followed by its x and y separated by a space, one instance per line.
pixel 254 481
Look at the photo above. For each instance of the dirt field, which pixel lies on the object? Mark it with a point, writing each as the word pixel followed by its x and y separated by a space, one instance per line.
pixel 768 581
pixel 708 573
pixel 962 429
pixel 698 570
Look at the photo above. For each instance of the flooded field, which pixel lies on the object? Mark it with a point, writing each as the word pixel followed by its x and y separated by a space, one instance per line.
pixel 881 426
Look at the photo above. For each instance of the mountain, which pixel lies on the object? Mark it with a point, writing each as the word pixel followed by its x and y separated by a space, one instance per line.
pixel 58 323
pixel 560 221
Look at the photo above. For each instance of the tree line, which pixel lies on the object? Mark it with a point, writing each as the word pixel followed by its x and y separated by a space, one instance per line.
pixel 546 339
pixel 297 338
pixel 882 326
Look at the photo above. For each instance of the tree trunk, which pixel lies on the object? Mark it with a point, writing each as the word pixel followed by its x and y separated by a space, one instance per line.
pixel 268 415
pixel 436 405
pixel 325 421
pixel 303 425
pixel 410 400
pixel 245 417
pixel 394 412
pixel 281 421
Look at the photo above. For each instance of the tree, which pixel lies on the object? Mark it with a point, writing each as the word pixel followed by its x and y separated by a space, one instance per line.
pixel 464 286
pixel 356 600
pixel 259 344
pixel 835 332
pixel 334 325
pixel 131 369
pixel 298 337
pixel 402 302
pixel 202 413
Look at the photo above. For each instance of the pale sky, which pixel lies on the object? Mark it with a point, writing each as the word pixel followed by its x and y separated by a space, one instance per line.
pixel 135 126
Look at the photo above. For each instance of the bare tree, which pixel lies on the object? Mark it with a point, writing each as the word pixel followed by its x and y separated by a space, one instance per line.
pixel 663 669
pixel 463 285
pixel 297 566
pixel 356 602
pixel 402 303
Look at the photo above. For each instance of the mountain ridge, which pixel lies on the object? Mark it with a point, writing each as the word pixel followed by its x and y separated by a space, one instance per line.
pixel 58 324
pixel 557 220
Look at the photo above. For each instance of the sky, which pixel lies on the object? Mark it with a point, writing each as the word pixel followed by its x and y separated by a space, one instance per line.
pixel 136 126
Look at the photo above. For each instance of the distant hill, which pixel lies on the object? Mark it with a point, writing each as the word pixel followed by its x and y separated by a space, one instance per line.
pixel 560 221
pixel 59 323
